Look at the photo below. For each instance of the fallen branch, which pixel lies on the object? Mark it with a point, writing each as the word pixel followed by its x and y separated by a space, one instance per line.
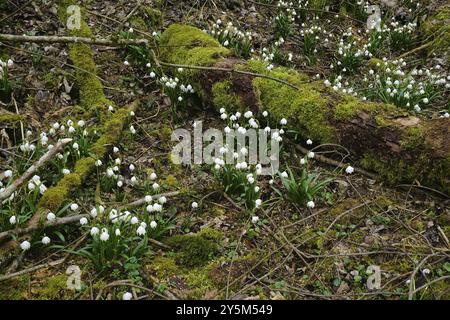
pixel 69 39
pixel 54 223
pixel 142 201
pixel 31 170
pixel 38 267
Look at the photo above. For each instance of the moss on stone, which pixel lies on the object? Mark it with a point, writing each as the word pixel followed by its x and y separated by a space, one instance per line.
pixel 349 107
pixel 194 250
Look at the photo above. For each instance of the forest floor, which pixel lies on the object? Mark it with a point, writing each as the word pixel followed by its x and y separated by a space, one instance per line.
pixel 359 230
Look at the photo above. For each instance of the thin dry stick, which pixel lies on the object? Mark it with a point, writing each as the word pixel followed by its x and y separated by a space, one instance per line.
pixel 38 267
pixel 31 170
pixel 230 70
pixel 54 223
pixel 336 163
pixel 67 39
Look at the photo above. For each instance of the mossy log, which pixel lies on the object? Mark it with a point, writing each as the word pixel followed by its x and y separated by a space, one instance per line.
pixel 92 97
pixel 400 147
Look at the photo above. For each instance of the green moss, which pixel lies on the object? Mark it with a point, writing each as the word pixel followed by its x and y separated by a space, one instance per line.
pixel 10 118
pixel 163 267
pixel 413 137
pixel 224 97
pixel 194 250
pixel 55 288
pixel 154 18
pixel 92 97
pixel 183 44
pixel 171 181
pixel 349 107
pixel 14 289
pixel 296 106
pixel 437 28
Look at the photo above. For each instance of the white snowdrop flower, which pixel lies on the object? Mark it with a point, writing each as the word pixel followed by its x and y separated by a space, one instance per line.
pixel 152 74
pixel 75 146
pixel 132 167
pixel 127 296
pixel 117 232
pixel 180 98
pixel 251 180
pixel 311 155
pixel 12 220
pixel 10 63
pixel 132 114
pixel 222 110
pixel 157 207
pixel 115 149
pixel 98 163
pixel 94 231
pixel 51 216
pixel 8 173
pixel 226 43
pixel 148 198
pixel 217 166
pixel 153 176
pixel 149 208
pixel 42 188
pixel 255 219
pixel 446 115
pixel 425 100
pixel 118 162
pixel 109 172
pixel 155 186
pixel 162 200
pixel 45 240
pixel 81 123
pixel 133 180
pixel 283 122
pixel 126 63
pixel 115 168
pixel 140 231
pixel 101 209
pixel 349 170
pixel 55 126
pixel 258 203
pixel 83 221
pixel 426 271
pixel 65 171
pixel 132 130
pixel 93 212
pixel 256 189
pixel 74 207
pixel 271 181
pixel 311 204
pixel 327 83
pixel 284 174
pixel 309 142
pixel 227 129
pixel 134 220
pixel 104 236
pixel 194 205
pixel 131 30
pixel 154 33
pixel 153 224
pixel 25 245
pixel 248 114
pixel 223 116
